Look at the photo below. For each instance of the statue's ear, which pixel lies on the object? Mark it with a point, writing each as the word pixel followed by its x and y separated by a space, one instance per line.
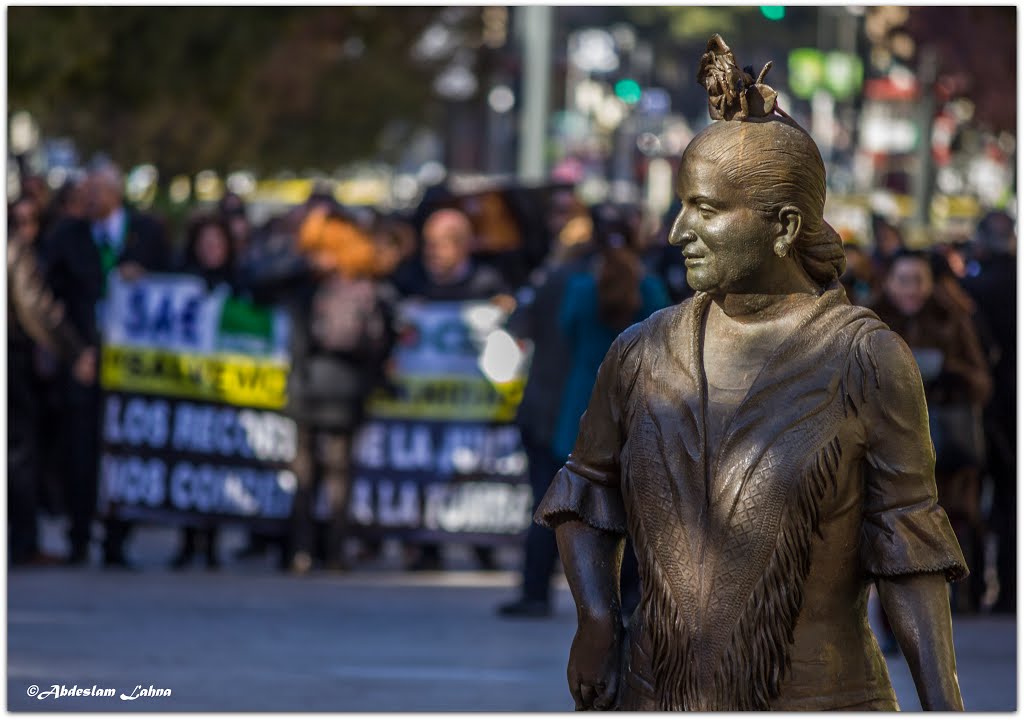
pixel 791 223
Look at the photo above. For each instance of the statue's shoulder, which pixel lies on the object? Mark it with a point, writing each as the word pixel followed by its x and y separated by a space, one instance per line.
pixel 885 368
pixel 655 325
pixel 887 351
pixel 870 336
pixel 859 324
pixel 668 316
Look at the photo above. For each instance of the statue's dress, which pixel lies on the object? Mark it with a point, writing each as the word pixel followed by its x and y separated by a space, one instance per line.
pixel 756 555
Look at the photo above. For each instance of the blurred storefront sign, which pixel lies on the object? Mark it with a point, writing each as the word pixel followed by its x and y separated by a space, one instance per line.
pixel 839 73
pixel 882 133
pixel 893 88
pixel 948 213
pixel 369 187
pixel 655 101
pixel 593 50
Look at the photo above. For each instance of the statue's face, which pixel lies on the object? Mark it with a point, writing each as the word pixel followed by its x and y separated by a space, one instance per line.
pixel 724 239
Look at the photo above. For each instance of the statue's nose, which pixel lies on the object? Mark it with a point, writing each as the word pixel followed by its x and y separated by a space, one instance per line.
pixel 680 234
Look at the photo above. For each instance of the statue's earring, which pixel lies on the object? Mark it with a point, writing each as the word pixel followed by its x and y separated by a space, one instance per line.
pixel 782 248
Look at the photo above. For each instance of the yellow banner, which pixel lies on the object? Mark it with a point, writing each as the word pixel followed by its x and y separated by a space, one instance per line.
pixel 228 378
pixel 448 398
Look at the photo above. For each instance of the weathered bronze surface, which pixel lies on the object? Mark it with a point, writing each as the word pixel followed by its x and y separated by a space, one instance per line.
pixel 766 447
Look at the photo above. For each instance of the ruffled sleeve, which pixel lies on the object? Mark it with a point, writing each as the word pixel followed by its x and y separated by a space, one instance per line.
pixel 905 531
pixel 587 488
pixel 572 496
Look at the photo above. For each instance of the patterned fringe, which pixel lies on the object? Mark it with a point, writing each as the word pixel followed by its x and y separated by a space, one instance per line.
pixel 754 665
pixel 757 657
pixel 673 667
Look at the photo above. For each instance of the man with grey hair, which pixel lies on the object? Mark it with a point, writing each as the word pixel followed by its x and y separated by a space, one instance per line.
pixel 80 255
pixel 450 273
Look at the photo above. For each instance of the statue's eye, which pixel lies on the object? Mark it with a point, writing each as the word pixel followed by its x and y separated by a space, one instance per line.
pixel 705 210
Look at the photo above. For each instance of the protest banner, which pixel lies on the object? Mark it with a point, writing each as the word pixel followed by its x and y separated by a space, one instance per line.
pixel 439 454
pixel 195 383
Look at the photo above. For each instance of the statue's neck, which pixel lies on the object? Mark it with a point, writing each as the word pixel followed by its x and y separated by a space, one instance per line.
pixel 761 307
pixel 773 291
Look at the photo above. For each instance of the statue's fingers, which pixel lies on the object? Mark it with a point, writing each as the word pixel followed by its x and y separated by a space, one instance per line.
pixel 574 690
pixel 577 696
pixel 606 699
pixel 587 694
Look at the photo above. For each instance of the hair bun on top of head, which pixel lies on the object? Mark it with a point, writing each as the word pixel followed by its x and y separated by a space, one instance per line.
pixel 734 93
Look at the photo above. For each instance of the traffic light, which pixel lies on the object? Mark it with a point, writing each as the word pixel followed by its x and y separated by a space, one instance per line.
pixel 773 12
pixel 628 91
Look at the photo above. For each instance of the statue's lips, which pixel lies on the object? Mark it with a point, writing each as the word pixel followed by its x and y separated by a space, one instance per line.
pixel 694 256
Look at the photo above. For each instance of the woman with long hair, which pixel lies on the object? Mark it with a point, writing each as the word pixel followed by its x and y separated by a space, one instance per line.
pixel 210 255
pixel 598 305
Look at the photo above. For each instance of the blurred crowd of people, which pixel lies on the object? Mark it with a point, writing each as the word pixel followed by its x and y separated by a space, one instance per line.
pixel 575 277
pixel 955 306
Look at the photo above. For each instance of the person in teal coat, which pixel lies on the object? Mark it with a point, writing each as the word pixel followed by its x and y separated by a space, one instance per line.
pixel 596 307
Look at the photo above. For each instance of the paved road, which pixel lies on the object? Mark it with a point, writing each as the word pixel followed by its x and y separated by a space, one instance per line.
pixel 247 639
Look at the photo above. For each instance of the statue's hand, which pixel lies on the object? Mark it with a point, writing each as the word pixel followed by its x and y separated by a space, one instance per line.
pixel 594 661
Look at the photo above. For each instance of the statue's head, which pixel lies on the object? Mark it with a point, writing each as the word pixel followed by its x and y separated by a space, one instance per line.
pixel 752 186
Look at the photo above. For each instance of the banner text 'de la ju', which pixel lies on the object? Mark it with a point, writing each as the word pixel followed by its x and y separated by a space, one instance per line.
pixel 439 454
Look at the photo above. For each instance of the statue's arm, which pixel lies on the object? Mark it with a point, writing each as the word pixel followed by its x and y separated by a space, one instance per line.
pixel 908 544
pixel 918 610
pixel 592 560
pixel 584 505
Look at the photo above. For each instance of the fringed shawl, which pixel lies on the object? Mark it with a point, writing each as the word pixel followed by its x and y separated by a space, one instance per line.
pixel 723 576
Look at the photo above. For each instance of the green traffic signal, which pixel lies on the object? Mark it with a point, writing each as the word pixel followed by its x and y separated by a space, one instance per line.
pixel 628 91
pixel 773 12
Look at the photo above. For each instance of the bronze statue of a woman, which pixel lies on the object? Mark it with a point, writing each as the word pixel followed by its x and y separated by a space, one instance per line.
pixel 765 446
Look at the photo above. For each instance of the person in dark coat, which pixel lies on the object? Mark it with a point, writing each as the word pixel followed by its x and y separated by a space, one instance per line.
pixel 536 319
pixel 34 318
pixel 992 283
pixel 68 201
pixel 80 255
pixel 341 333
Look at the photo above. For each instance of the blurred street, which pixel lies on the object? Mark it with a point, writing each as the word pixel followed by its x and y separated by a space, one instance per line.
pixel 248 640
